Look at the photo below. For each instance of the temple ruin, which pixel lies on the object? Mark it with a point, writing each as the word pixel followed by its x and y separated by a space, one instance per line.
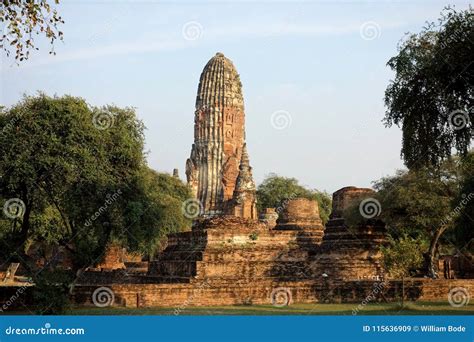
pixel 219 135
pixel 234 256
pixel 241 258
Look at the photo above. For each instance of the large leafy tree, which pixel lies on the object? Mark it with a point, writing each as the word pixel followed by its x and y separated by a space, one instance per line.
pixel 153 209
pixel 47 144
pixel 275 190
pixel 78 176
pixel 431 97
pixel 417 203
pixel 21 22
pixel 422 207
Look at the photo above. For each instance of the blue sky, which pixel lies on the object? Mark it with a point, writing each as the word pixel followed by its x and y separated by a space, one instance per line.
pixel 321 65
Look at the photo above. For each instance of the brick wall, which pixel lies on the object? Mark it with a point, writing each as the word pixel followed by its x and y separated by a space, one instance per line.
pixel 203 293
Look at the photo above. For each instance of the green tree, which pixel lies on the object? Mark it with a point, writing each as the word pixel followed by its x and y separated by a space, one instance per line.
pixel 431 96
pixel 153 210
pixel 275 190
pixel 418 204
pixel 463 211
pixel 77 173
pixel 21 21
pixel 60 162
pixel 403 257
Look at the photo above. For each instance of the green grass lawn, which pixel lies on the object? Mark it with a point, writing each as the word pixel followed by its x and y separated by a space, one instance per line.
pixel 418 308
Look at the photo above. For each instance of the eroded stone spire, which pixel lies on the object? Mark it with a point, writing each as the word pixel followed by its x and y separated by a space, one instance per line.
pixel 245 180
pixel 244 200
pixel 219 135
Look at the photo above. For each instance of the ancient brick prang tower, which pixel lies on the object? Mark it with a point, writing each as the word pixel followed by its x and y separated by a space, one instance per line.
pixel 219 136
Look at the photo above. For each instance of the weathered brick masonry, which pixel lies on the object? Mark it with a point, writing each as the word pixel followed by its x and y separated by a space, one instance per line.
pixel 230 257
pixel 202 294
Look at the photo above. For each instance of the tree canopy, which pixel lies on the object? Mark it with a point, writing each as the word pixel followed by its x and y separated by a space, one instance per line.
pixel 463 212
pixel 431 96
pixel 428 207
pixel 74 175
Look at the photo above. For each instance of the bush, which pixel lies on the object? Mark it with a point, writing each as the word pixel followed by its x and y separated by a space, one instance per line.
pixel 51 292
pixel 403 257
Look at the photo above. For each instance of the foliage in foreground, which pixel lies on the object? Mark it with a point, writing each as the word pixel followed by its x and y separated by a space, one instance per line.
pixel 403 257
pixel 429 207
pixel 78 180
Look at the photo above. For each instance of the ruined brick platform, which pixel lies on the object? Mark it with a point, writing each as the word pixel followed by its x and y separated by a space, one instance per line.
pixel 350 253
pixel 229 260
pixel 229 248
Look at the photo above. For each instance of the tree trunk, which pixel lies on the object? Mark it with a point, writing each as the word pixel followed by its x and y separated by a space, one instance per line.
pixel 79 268
pixel 25 228
pixel 22 237
pixel 432 273
pixel 20 243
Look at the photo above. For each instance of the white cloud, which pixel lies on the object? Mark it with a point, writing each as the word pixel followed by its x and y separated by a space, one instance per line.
pixel 175 41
